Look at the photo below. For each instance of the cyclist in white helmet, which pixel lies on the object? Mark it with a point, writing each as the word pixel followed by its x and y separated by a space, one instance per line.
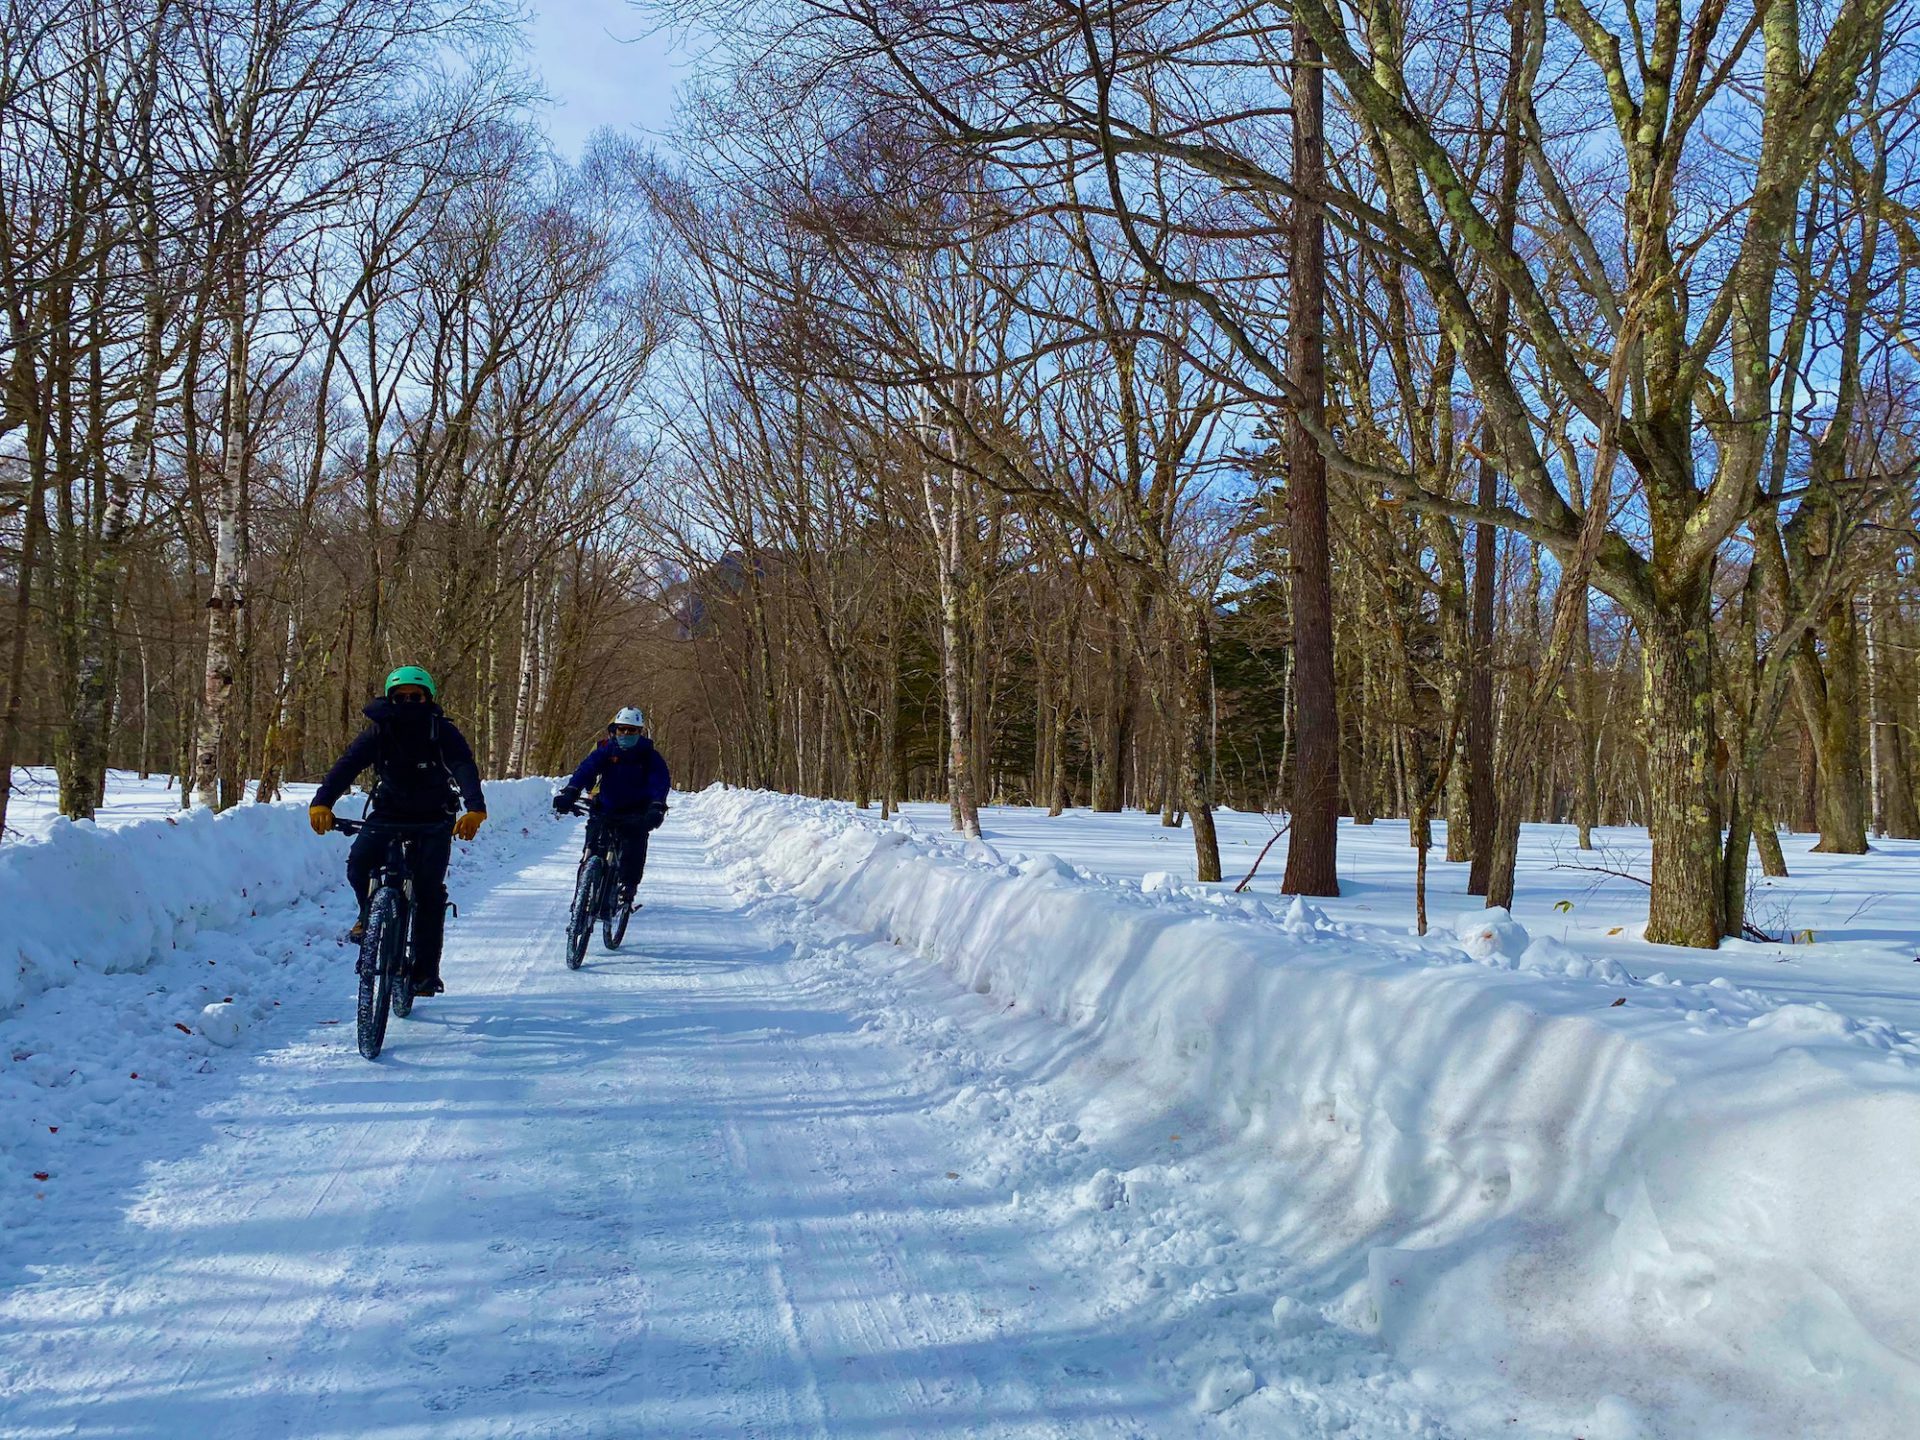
pixel 631 795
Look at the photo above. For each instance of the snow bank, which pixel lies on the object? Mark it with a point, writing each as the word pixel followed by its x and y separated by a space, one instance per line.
pixel 1682 1209
pixel 135 957
pixel 93 899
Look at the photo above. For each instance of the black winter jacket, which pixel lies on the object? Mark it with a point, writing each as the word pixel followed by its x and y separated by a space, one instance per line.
pixel 421 764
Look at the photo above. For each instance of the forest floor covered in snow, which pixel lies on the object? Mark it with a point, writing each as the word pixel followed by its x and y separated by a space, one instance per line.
pixel 130 798
pixel 1849 925
pixel 868 1130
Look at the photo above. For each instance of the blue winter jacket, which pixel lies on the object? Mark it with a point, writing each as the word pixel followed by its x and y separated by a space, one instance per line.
pixel 630 780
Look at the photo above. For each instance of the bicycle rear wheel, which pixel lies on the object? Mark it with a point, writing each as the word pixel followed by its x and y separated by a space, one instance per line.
pixel 586 904
pixel 614 928
pixel 378 960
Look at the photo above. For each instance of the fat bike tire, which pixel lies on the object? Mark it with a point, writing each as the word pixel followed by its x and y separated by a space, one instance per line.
pixel 614 926
pixel 613 916
pixel 402 1001
pixel 586 901
pixel 379 953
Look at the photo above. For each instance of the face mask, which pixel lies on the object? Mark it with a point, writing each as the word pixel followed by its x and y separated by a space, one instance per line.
pixel 626 742
pixel 409 719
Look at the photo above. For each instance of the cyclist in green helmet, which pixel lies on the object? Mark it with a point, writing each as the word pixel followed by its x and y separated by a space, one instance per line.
pixel 423 770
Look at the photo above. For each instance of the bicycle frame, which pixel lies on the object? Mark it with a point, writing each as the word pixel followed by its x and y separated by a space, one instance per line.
pixel 609 851
pixel 394 870
pixel 385 966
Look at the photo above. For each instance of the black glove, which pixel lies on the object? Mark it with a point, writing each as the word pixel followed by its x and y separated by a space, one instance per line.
pixel 651 817
pixel 565 800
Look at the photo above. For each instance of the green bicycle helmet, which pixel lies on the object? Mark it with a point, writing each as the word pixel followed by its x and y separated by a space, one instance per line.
pixel 412 675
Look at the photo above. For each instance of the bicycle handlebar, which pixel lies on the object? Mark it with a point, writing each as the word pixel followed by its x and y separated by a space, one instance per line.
pixel 347 826
pixel 581 807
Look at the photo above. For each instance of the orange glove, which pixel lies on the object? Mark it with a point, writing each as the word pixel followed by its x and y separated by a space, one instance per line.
pixel 468 825
pixel 321 818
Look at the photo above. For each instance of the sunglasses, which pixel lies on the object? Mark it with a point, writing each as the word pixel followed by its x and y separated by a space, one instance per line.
pixel 626 729
pixel 409 695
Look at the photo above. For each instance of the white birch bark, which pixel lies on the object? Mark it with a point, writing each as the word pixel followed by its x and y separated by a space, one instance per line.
pixel 523 691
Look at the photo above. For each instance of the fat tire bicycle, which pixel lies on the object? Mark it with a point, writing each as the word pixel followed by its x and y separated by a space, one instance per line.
pixel 385 966
pixel 596 896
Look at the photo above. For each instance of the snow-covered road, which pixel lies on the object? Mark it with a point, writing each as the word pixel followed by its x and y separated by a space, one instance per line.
pixel 868 1131
pixel 688 1190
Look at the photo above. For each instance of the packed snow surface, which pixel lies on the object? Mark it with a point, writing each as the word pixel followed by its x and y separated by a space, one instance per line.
pixel 867 1130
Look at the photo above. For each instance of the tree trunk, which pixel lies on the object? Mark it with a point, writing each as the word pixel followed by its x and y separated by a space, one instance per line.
pixel 961 796
pixel 229 588
pixel 32 526
pixel 1042 699
pixel 1733 863
pixel 1843 796
pixel 1773 863
pixel 1683 817
pixel 1196 782
pixel 890 787
pixel 1458 803
pixel 83 778
pixel 146 711
pixel 1115 729
pixel 1503 850
pixel 945 529
pixel 282 735
pixel 516 761
pixel 1484 795
pixel 1900 818
pixel 1586 729
pixel 1809 784
pixel 1313 844
pixel 1062 717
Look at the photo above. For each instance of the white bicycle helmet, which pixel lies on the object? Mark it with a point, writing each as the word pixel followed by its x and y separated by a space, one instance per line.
pixel 629 715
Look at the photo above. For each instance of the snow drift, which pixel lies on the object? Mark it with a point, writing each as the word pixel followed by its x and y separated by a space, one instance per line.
pixel 1682 1206
pixel 111 900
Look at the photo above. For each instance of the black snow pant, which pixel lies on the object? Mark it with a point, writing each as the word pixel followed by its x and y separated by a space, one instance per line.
pixel 427 857
pixel 632 830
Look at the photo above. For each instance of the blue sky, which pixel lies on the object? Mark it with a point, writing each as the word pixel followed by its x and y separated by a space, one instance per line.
pixel 602 67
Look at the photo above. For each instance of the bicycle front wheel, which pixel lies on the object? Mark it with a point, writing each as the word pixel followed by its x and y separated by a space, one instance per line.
pixel 613 914
pixel 586 902
pixel 379 958
pixel 402 971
